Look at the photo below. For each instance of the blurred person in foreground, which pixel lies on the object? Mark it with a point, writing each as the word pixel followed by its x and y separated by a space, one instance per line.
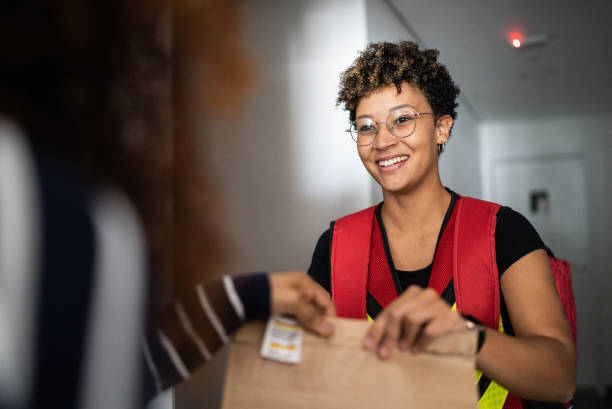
pixel 107 218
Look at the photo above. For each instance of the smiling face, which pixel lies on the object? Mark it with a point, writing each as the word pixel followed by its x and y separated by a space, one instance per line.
pixel 401 165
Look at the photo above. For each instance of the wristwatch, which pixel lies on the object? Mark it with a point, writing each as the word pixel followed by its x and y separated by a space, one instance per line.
pixel 472 324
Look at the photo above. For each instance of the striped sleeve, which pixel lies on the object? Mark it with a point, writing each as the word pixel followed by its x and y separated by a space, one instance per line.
pixel 186 334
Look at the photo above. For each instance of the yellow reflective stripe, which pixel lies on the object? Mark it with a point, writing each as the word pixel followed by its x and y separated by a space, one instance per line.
pixel 495 395
pixel 369 318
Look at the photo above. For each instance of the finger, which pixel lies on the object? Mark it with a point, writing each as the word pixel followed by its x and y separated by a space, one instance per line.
pixel 430 332
pixel 420 313
pixel 321 327
pixel 442 324
pixel 413 334
pixel 375 332
pixel 391 335
pixel 379 334
pixel 319 295
pixel 331 310
pixel 312 318
pixel 409 333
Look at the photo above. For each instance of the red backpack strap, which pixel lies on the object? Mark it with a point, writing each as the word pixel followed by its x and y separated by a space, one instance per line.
pixel 380 280
pixel 475 271
pixel 563 282
pixel 350 257
pixel 442 269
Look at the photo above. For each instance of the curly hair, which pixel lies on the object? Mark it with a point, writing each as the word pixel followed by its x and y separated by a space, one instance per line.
pixel 384 63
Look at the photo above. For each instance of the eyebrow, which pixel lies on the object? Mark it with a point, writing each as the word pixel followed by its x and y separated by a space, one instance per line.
pixel 390 110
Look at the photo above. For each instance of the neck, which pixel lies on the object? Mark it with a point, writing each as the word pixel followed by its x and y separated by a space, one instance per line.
pixel 417 209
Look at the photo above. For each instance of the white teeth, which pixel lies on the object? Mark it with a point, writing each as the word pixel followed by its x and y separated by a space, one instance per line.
pixel 392 161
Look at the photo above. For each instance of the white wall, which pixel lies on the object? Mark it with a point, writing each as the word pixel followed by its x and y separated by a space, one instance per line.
pixel 591 139
pixel 459 164
pixel 284 165
pixel 289 167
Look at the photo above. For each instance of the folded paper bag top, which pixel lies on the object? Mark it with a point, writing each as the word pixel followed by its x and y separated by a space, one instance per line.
pixel 338 373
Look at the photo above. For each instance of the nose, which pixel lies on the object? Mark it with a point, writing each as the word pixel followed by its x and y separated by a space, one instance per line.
pixel 384 140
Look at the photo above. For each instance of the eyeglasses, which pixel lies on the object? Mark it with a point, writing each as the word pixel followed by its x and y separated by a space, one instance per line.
pixel 401 123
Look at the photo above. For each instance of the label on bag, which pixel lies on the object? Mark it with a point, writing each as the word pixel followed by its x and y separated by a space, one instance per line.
pixel 282 340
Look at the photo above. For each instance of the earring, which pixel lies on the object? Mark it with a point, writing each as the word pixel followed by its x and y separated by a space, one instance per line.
pixel 441 147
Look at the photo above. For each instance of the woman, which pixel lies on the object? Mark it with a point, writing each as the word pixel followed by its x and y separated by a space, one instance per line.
pixel 106 209
pixel 401 104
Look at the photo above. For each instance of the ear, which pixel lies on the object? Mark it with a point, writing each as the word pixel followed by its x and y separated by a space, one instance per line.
pixel 443 127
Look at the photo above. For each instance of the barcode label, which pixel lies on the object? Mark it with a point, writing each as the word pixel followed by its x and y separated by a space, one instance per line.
pixel 282 340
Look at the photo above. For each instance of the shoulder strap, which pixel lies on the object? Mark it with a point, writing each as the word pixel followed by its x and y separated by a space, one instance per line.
pixel 349 266
pixel 475 271
pixel 442 268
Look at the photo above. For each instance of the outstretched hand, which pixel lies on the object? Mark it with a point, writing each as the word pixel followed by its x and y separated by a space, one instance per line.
pixel 296 294
pixel 411 322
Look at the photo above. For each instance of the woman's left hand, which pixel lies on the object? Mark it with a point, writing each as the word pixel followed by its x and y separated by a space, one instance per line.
pixel 412 321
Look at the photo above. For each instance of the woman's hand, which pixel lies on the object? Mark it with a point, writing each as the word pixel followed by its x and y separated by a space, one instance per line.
pixel 411 322
pixel 296 294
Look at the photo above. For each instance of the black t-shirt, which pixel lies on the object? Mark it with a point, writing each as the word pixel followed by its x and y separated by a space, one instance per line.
pixel 514 238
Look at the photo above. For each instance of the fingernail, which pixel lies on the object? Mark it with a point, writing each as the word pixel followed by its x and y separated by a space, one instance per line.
pixel 368 343
pixel 404 345
pixel 383 351
pixel 415 350
pixel 327 328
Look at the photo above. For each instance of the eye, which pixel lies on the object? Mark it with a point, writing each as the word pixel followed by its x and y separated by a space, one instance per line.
pixel 366 128
pixel 403 120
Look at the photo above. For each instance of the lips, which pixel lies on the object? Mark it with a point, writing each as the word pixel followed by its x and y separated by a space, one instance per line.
pixel 383 163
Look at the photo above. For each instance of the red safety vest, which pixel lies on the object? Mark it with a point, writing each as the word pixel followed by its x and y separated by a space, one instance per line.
pixel 465 260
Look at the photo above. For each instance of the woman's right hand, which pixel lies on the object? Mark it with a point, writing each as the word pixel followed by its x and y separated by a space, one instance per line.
pixel 411 322
pixel 294 293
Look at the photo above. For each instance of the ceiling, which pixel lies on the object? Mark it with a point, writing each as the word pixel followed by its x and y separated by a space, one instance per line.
pixel 570 75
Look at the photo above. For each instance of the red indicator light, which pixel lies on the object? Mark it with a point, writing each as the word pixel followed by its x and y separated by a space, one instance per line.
pixel 515 40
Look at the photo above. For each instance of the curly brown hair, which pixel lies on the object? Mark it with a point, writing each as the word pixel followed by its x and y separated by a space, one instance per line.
pixel 384 63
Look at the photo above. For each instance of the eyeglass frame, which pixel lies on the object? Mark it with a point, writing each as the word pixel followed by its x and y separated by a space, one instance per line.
pixel 389 128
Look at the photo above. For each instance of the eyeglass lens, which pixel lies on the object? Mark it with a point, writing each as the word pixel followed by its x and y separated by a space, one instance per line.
pixel 400 123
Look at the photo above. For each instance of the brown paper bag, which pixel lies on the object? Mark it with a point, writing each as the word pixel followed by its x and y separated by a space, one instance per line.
pixel 338 373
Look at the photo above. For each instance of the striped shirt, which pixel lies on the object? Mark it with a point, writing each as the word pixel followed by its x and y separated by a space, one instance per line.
pixel 187 334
